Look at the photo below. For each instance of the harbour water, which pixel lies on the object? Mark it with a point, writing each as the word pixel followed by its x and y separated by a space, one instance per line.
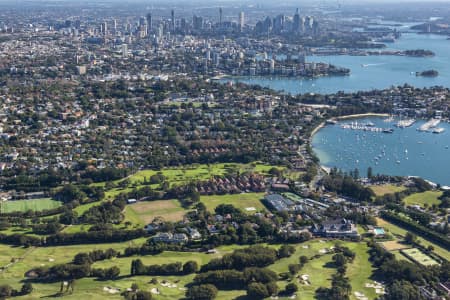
pixel 405 151
pixel 372 72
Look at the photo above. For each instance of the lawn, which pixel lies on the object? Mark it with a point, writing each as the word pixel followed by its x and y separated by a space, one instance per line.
pixel 144 212
pixel 242 201
pixel 428 197
pixel 384 189
pixel 25 205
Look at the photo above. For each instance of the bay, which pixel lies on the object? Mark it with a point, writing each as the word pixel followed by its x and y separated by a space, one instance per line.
pixel 405 152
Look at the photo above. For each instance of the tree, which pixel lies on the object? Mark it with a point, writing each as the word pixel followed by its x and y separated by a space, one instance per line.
pixel 143 295
pixel 286 251
pixel 5 291
pixel 256 290
pixel 202 292
pixel 26 289
pixel 291 288
pixel 190 267
pixel 70 193
pixel 303 259
pixel 339 260
pixel 402 290
pixel 410 238
pixel 112 273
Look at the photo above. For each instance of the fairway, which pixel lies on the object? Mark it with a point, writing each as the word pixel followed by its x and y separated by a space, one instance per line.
pixel 241 201
pixel 26 205
pixel 384 189
pixel 144 212
pixel 428 197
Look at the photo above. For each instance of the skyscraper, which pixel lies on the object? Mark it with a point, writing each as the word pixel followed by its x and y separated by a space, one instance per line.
pixel 149 23
pixel 172 21
pixel 241 21
pixel 104 28
pixel 296 25
pixel 197 22
pixel 124 50
pixel 114 26
pixel 220 16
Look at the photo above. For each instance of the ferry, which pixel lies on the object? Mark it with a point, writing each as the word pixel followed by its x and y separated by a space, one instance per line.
pixel 388 130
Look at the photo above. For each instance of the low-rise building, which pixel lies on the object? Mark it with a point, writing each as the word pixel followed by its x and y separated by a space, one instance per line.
pixel 339 228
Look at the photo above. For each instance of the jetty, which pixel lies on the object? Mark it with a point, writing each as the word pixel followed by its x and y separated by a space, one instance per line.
pixel 405 123
pixel 429 125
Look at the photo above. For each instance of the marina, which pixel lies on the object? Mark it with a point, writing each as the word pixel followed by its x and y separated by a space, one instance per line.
pixel 366 127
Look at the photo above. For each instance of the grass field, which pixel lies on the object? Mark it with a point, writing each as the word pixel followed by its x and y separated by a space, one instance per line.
pixel 25 205
pixel 394 245
pixel 428 197
pixel 144 212
pixel 384 189
pixel 394 229
pixel 241 201
pixel 419 257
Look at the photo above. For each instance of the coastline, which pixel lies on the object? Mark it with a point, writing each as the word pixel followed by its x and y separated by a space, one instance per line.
pixel 361 116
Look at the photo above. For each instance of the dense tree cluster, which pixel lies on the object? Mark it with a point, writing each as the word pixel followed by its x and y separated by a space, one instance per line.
pixel 171 269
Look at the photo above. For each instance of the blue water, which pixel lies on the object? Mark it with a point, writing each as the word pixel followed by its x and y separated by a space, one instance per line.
pixel 406 152
pixel 381 72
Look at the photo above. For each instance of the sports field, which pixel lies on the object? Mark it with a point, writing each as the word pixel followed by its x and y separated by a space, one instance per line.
pixel 144 212
pixel 25 205
pixel 419 257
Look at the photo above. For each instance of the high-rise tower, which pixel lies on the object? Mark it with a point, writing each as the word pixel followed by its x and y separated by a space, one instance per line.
pixel 172 20
pixel 241 21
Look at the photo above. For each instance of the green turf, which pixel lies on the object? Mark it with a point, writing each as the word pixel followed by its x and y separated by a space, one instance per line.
pixel 241 201
pixel 428 197
pixel 25 205
pixel 142 213
pixel 419 257
pixel 384 189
